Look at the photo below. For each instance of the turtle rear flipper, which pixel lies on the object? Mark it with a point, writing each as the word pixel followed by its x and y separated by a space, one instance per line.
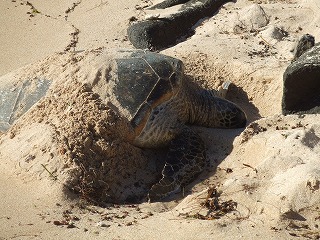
pixel 185 160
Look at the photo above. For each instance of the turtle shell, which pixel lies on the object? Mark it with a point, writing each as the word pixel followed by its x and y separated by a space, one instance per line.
pixel 143 80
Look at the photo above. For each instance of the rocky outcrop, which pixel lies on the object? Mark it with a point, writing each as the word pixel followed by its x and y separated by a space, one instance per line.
pixel 301 91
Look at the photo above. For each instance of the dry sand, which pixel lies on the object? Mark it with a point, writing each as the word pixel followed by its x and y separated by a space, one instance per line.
pixel 270 171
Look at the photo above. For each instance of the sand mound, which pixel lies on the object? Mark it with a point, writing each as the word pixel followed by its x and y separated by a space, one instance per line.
pixel 272 176
pixel 78 140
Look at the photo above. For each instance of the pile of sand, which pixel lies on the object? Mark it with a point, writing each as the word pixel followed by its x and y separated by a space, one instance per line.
pixel 272 174
pixel 83 142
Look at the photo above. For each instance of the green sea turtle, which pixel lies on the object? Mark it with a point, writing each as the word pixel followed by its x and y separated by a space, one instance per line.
pixel 152 92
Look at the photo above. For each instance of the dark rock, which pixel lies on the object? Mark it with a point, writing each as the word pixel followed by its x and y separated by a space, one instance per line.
pixel 168 3
pixel 306 42
pixel 160 33
pixel 301 91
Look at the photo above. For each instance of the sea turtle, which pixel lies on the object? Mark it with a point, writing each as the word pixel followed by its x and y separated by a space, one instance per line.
pixel 152 92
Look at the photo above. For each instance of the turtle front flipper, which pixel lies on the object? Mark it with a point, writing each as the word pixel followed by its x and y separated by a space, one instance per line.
pixel 185 160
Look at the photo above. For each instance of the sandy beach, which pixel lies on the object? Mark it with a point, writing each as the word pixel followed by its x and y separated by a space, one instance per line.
pixel 265 177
